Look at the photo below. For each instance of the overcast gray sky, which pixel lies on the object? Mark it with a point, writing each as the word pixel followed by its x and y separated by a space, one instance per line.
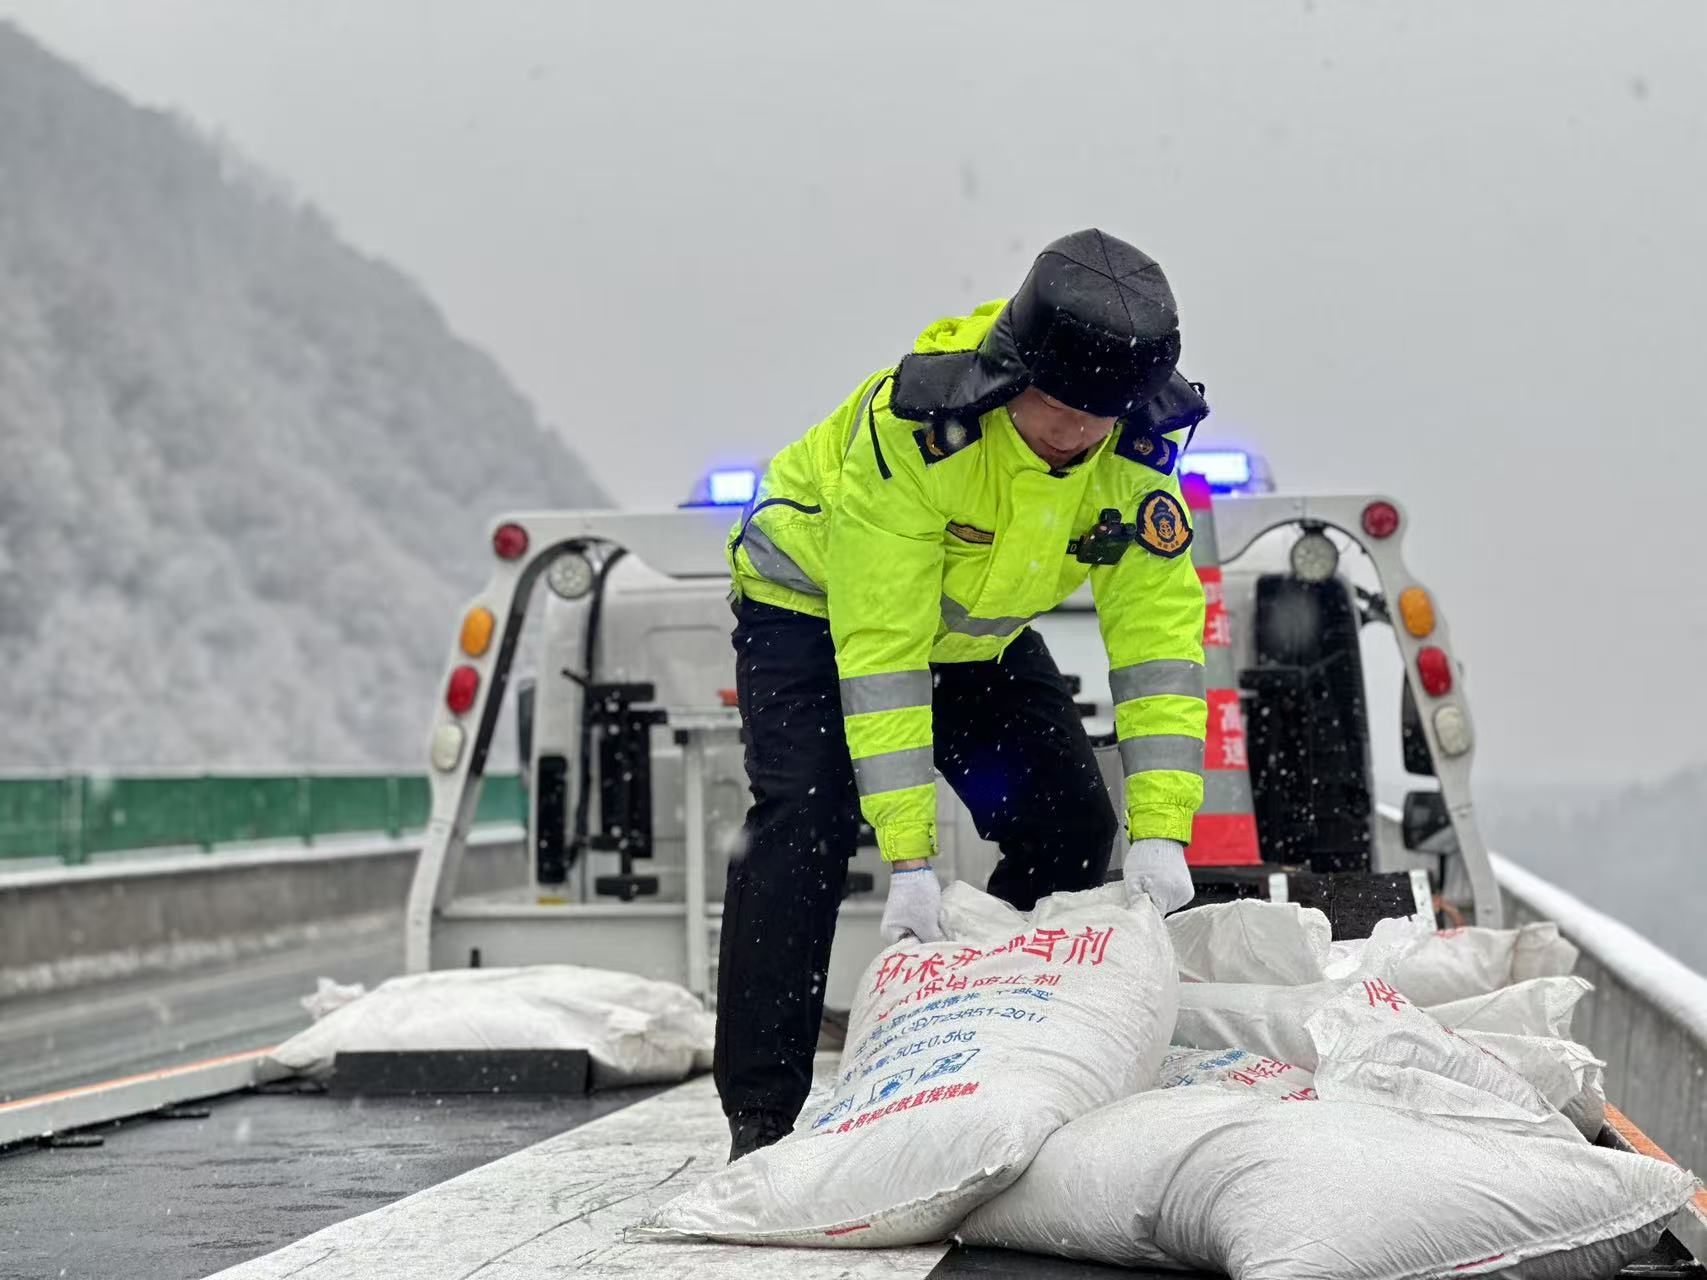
pixel 1457 252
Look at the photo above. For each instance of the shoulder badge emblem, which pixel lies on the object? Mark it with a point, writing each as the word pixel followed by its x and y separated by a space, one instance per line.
pixel 1162 527
pixel 945 439
pixel 1147 448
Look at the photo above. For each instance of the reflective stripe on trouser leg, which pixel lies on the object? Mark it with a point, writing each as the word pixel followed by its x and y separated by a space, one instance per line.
pixel 885 691
pixel 893 770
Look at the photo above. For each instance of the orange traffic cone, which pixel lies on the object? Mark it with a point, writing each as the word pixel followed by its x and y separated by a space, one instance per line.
pixel 1224 833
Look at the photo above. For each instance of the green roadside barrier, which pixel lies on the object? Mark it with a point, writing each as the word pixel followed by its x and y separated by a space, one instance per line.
pixel 74 817
pixel 34 815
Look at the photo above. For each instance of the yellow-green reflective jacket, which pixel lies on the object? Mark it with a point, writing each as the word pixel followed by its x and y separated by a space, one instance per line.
pixel 925 544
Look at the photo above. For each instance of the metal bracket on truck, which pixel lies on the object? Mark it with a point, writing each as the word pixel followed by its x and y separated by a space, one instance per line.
pixel 672 939
pixel 660 938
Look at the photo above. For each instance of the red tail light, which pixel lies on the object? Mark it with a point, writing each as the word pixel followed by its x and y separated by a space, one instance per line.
pixel 1435 668
pixel 509 541
pixel 460 692
pixel 1380 519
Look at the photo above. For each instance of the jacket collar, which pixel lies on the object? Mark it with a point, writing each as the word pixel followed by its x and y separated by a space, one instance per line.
pixel 1016 454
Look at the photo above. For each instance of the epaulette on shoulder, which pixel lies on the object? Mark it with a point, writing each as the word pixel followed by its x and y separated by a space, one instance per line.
pixel 1147 448
pixel 944 439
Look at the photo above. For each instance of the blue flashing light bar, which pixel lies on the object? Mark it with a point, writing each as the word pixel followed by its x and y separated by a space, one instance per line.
pixel 732 488
pixel 1226 470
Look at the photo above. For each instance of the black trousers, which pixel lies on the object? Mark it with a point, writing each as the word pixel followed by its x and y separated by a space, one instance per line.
pixel 1008 739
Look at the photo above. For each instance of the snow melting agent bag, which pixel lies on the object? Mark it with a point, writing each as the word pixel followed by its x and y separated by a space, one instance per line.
pixel 1257 1017
pixel 1259 1189
pixel 1256 1020
pixel 1421 1156
pixel 1538 1007
pixel 1566 1073
pixel 962 1057
pixel 1457 963
pixel 1250 941
pixel 1237 1071
pixel 1270 1019
pixel 1375 1046
pixel 635 1030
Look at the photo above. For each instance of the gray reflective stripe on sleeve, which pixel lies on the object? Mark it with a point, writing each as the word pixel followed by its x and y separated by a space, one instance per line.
pixel 893 770
pixel 887 691
pixel 962 623
pixel 1176 751
pixel 774 563
pixel 859 415
pixel 1179 676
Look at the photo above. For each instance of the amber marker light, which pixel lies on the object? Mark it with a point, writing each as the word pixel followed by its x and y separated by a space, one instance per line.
pixel 1417 611
pixel 477 626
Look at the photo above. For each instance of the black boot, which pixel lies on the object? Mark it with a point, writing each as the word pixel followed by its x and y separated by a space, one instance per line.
pixel 750 1130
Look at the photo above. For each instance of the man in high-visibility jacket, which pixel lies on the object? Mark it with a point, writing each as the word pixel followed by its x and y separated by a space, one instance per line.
pixel 884 574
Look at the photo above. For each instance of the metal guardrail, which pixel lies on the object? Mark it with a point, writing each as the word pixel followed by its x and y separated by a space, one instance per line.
pixel 74 817
pixel 1647 1015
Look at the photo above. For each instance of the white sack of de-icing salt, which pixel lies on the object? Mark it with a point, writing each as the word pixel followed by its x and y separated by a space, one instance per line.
pixel 962 1057
pixel 1095 1190
pixel 1538 1007
pixel 1270 1021
pixel 1257 1017
pixel 635 1030
pixel 1237 1071
pixel 1452 964
pixel 1375 956
pixel 1259 1189
pixel 329 996
pixel 1249 940
pixel 1456 963
pixel 1566 1073
pixel 1542 952
pixel 1374 1046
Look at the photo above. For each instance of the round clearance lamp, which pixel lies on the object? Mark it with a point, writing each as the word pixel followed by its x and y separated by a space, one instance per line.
pixel 1314 557
pixel 570 576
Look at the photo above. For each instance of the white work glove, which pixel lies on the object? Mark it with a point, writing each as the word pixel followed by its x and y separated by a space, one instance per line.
pixel 1157 867
pixel 914 906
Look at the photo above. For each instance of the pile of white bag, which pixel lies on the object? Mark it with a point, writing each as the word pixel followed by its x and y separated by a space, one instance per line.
pixel 1260 1189
pixel 1283 944
pixel 1311 1121
pixel 1256 972
pixel 1408 1152
pixel 962 1057
pixel 635 1030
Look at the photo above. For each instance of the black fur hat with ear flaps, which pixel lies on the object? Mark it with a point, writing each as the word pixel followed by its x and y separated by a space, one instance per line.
pixel 1094 325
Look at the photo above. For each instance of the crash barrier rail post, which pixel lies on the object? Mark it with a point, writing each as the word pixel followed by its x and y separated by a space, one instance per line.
pixel 74 817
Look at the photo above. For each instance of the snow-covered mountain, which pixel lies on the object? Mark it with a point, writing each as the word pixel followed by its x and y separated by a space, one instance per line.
pixel 245 471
